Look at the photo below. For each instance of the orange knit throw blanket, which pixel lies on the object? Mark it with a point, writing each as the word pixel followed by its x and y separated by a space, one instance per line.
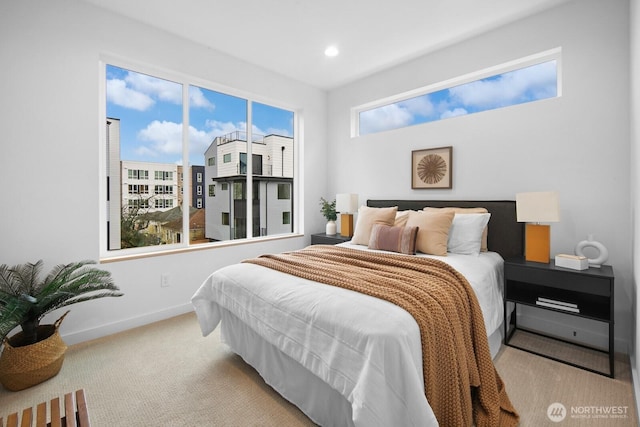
pixel 461 383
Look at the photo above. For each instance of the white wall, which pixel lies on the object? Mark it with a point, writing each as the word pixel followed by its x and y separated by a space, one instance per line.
pixel 577 144
pixel 49 123
pixel 635 187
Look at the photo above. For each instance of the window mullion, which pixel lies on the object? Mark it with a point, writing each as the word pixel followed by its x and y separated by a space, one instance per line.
pixel 186 180
pixel 249 181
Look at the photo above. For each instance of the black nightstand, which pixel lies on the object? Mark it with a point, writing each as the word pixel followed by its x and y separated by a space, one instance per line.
pixel 328 239
pixel 585 293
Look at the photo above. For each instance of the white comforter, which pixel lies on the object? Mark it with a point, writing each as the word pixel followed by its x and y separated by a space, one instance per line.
pixel 365 348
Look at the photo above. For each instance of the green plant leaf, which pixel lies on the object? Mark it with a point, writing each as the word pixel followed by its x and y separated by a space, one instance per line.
pixel 24 298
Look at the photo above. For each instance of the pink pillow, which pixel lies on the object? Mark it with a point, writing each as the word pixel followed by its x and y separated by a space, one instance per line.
pixel 394 239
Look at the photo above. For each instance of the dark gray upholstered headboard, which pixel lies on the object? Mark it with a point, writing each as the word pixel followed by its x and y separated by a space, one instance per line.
pixel 506 235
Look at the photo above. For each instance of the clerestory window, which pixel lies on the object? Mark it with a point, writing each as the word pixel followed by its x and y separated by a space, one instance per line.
pixel 528 79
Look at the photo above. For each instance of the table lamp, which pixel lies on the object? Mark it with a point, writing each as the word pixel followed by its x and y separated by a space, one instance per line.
pixel 534 208
pixel 346 204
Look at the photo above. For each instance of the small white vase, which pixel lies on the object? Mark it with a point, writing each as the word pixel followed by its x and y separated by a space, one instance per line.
pixel 331 228
pixel 590 243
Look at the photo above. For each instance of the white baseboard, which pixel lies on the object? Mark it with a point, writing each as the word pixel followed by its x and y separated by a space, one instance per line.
pixel 123 325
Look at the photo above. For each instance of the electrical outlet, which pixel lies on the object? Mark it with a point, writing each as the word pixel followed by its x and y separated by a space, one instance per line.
pixel 164 280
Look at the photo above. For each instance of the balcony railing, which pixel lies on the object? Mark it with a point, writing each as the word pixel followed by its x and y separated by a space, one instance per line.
pixel 238 135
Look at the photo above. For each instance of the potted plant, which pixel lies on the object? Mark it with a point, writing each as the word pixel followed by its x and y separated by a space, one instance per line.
pixel 328 210
pixel 36 353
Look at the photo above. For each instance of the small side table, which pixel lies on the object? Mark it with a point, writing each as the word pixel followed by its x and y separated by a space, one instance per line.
pixel 584 293
pixel 328 239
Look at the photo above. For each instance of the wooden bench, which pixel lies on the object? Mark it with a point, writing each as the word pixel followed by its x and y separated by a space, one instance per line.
pixel 75 413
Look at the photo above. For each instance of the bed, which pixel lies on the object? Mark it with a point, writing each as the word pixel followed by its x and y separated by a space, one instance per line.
pixel 344 357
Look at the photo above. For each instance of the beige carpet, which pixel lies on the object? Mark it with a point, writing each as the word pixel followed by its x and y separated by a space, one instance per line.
pixel 167 374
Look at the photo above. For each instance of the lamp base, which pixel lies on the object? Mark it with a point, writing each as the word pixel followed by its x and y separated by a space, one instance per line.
pixel 346 225
pixel 537 243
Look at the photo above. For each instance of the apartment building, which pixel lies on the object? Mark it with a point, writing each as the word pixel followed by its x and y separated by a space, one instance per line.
pixel 227 186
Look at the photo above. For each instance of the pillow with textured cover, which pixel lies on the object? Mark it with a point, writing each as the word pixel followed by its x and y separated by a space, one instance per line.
pixel 465 235
pixel 367 217
pixel 484 247
pixel 394 239
pixel 401 218
pixel 433 231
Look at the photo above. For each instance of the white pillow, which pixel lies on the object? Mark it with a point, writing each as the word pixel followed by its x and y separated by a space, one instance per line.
pixel 465 235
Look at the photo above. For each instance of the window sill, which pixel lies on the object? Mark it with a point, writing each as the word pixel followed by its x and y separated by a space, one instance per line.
pixel 198 247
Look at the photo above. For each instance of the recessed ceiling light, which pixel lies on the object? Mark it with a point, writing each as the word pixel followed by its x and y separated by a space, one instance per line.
pixel 331 51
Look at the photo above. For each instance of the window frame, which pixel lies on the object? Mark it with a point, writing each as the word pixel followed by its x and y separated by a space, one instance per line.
pixel 554 54
pixel 186 81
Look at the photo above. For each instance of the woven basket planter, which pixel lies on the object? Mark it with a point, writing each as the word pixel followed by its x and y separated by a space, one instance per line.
pixel 23 366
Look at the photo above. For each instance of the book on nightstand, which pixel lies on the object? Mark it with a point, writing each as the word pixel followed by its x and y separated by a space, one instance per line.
pixel 560 305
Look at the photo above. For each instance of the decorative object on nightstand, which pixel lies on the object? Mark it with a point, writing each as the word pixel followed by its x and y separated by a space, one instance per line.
pixel 603 253
pixel 346 204
pixel 574 262
pixel 537 207
pixel 328 210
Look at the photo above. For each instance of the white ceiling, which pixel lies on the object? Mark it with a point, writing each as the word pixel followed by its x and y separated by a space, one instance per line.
pixel 290 36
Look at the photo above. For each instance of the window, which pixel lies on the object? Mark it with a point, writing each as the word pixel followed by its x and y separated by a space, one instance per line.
pixel 527 80
pixel 286 218
pixel 284 191
pixel 163 175
pixel 138 189
pixel 143 117
pixel 138 174
pixel 163 203
pixel 163 189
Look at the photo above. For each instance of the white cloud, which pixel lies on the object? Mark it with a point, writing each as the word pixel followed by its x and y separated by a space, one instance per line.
pixel 418 106
pixel 532 82
pixel 384 118
pixel 198 100
pixel 217 128
pixel 453 113
pixel 119 94
pixel 163 90
pixel 139 92
pixel 165 137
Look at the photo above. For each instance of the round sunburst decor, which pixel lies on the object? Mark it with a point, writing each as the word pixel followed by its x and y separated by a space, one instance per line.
pixel 432 168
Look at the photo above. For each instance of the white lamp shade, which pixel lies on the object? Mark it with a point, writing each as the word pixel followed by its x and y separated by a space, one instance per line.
pixel 346 203
pixel 539 206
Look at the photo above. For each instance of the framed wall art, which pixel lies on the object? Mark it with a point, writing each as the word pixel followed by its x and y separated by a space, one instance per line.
pixel 431 168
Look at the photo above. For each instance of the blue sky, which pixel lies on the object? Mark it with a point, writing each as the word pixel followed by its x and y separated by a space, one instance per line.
pixel 515 87
pixel 150 113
